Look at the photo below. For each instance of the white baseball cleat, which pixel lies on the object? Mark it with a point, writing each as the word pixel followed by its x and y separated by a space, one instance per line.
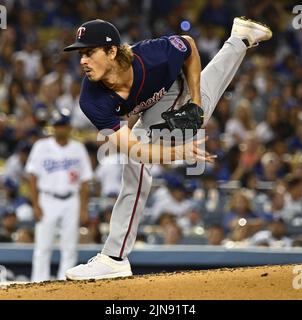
pixel 100 267
pixel 253 31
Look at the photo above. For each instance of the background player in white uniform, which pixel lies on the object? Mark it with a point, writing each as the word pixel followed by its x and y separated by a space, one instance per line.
pixel 59 171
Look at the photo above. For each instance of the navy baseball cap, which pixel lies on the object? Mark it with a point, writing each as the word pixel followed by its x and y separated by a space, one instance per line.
pixel 95 33
pixel 174 181
pixel 23 146
pixel 60 118
pixel 10 184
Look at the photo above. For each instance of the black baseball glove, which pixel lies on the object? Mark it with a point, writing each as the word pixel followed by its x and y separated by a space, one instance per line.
pixel 189 116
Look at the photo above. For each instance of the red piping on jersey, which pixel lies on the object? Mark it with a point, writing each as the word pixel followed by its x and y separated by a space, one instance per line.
pixel 134 209
pixel 143 79
pixel 115 127
pixel 180 92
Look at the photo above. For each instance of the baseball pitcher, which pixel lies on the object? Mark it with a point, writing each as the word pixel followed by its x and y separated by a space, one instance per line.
pixel 159 84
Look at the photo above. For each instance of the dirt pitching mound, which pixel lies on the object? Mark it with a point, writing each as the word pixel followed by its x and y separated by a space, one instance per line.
pixel 269 282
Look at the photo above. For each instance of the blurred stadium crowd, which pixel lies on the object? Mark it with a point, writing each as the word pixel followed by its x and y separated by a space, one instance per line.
pixel 252 195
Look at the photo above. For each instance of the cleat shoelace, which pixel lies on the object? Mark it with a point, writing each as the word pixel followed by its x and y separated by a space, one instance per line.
pixel 94 258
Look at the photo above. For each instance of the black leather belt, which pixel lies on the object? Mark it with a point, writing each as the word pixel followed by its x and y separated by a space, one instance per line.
pixel 59 196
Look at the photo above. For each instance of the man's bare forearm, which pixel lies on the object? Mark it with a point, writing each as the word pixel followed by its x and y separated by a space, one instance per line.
pixel 127 143
pixel 34 192
pixel 192 70
pixel 151 153
pixel 84 195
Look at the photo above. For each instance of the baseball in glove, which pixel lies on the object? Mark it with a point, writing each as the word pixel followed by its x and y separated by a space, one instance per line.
pixel 189 116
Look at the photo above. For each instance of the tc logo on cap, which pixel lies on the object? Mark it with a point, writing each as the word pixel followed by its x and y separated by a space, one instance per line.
pixel 81 32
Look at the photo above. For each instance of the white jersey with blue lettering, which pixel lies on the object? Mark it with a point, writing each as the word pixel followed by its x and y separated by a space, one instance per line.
pixel 59 169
